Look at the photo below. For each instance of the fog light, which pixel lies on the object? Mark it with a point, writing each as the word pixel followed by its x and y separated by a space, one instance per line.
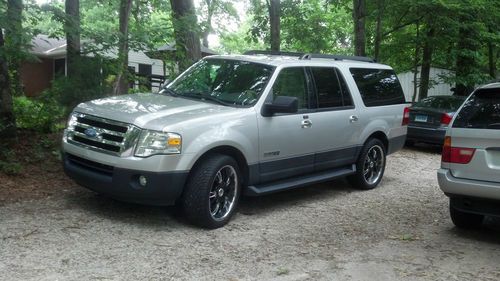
pixel 143 180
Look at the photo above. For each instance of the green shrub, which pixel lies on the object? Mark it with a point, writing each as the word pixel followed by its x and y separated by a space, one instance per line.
pixel 42 114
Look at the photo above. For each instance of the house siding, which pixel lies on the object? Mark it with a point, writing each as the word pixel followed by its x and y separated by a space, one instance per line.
pixel 36 76
pixel 438 88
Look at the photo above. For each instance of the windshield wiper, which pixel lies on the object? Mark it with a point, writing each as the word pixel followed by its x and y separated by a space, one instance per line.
pixel 169 91
pixel 205 97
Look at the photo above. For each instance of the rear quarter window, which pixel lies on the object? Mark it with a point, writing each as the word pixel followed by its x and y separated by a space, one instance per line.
pixel 480 111
pixel 378 87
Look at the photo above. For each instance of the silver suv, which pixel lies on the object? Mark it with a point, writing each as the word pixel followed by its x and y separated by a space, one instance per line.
pixel 255 124
pixel 470 167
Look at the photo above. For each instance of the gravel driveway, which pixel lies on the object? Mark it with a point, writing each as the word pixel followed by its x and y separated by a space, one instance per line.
pixel 399 231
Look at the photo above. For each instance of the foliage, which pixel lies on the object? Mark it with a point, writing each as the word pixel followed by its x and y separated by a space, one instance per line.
pixel 43 114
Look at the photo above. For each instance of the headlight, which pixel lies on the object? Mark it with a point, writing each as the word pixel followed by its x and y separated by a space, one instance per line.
pixel 70 125
pixel 154 142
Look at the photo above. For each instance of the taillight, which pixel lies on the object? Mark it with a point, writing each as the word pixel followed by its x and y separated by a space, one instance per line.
pixel 406 116
pixel 446 119
pixel 456 155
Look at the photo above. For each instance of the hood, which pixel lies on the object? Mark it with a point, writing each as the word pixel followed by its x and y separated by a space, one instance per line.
pixel 151 111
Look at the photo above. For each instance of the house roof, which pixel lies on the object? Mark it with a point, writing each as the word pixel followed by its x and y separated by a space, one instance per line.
pixel 45 46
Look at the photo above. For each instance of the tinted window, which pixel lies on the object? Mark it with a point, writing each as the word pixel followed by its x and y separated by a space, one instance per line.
pixel 327 85
pixel 445 103
pixel 378 86
pixel 346 94
pixel 481 111
pixel 292 82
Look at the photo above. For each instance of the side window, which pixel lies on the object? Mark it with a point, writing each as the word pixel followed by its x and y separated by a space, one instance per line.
pixel 481 111
pixel 346 94
pixel 292 82
pixel 378 86
pixel 328 89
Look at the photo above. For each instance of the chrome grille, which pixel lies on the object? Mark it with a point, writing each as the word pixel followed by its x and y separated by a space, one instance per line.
pixel 101 134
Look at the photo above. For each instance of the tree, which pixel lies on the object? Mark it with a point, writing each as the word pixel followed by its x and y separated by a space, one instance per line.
pixel 222 9
pixel 187 40
pixel 274 20
pixel 72 30
pixel 14 42
pixel 358 15
pixel 7 119
pixel 121 85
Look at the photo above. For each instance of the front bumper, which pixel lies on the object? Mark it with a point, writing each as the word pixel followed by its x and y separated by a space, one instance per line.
pixel 162 188
pixel 427 135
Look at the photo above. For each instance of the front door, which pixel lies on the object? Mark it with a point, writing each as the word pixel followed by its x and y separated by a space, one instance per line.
pixel 286 140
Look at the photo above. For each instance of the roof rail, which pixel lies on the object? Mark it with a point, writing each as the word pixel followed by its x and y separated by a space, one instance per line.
pixel 307 56
pixel 272 53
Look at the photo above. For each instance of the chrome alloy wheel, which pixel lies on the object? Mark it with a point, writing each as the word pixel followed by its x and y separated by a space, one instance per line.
pixel 223 193
pixel 374 164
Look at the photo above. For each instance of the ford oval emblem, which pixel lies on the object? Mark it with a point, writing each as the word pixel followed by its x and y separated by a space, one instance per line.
pixel 90 132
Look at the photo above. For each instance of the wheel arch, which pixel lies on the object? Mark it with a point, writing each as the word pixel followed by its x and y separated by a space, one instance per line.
pixel 380 136
pixel 230 151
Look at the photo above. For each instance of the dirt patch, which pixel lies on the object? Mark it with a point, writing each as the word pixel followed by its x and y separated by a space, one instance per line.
pixel 34 168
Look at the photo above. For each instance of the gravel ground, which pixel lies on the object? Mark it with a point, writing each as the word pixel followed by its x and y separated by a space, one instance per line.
pixel 399 231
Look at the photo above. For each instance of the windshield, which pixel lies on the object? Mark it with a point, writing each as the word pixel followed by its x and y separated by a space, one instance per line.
pixel 228 82
pixel 450 103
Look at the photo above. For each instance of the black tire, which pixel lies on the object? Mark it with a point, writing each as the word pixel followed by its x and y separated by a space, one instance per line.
pixel 197 199
pixel 465 220
pixel 359 180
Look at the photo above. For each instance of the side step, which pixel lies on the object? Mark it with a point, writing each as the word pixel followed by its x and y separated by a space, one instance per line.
pixel 286 184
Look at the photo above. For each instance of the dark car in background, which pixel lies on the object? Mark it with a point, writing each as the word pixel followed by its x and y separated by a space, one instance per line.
pixel 430 117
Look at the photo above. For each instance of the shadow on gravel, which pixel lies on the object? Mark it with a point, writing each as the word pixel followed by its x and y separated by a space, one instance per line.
pixel 488 233
pixel 170 217
pixel 109 209
pixel 295 197
pixel 426 148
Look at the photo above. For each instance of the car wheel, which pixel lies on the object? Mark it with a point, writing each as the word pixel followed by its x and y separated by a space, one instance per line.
pixel 212 192
pixel 465 220
pixel 370 166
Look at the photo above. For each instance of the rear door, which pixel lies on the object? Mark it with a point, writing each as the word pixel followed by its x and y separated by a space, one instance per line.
pixel 477 125
pixel 337 130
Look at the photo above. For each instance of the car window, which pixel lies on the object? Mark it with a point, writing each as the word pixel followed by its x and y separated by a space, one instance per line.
pixel 480 111
pixel 292 82
pixel 446 103
pixel 378 86
pixel 328 91
pixel 346 94
pixel 232 82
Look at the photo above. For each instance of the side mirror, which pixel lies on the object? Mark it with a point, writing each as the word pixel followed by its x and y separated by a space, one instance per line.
pixel 281 104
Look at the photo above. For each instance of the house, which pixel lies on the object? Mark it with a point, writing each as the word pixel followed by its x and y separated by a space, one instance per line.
pixel 50 53
pixel 437 85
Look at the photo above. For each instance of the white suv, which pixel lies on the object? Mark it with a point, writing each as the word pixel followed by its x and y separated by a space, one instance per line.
pixel 470 167
pixel 254 124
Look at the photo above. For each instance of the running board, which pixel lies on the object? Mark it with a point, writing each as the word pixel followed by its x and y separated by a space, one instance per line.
pixel 286 184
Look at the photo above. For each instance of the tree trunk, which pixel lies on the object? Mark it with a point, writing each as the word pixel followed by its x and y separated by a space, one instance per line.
pixel 187 39
pixel 121 83
pixel 426 64
pixel 415 64
pixel 208 26
pixel 378 29
pixel 14 38
pixel 466 65
pixel 358 15
pixel 7 120
pixel 274 19
pixel 72 29
pixel 491 58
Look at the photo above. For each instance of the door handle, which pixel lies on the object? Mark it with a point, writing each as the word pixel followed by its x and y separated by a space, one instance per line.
pixel 353 118
pixel 306 123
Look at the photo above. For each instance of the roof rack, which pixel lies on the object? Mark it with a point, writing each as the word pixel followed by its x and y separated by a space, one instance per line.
pixel 307 56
